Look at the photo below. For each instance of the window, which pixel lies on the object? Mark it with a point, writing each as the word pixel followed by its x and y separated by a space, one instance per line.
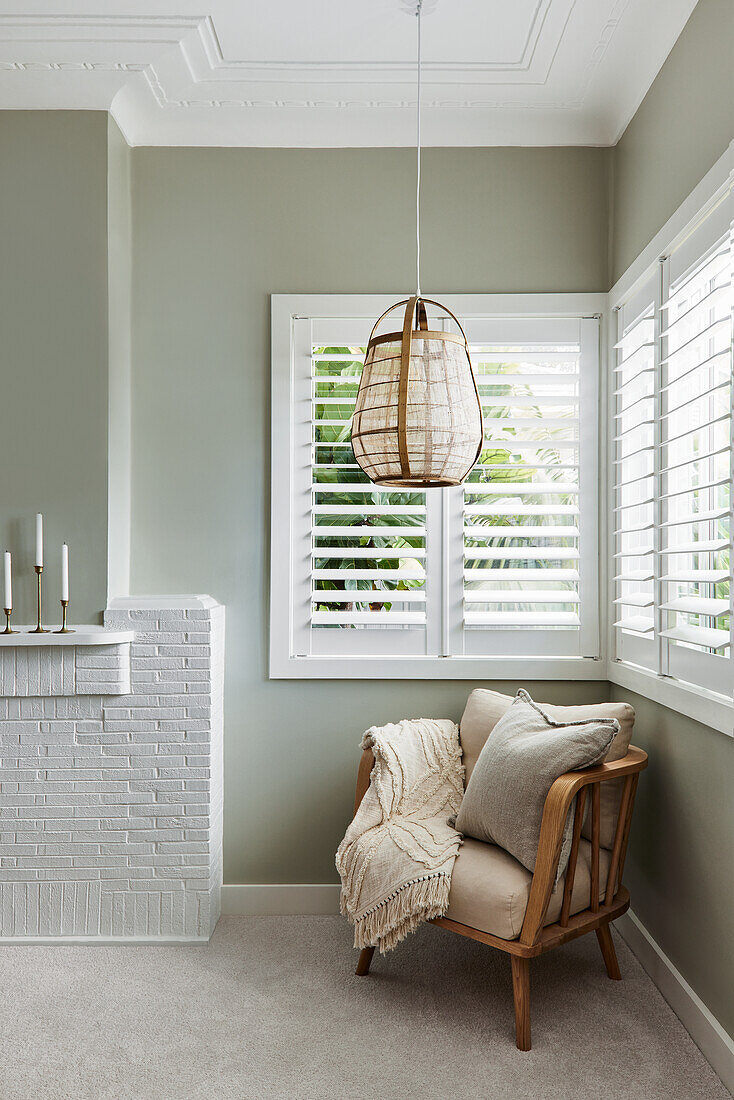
pixel 448 582
pixel 673 461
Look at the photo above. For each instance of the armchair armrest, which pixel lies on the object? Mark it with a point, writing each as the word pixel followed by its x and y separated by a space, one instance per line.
pixel 366 764
pixel 557 804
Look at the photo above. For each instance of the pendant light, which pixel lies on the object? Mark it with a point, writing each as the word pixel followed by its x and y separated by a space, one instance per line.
pixel 417 418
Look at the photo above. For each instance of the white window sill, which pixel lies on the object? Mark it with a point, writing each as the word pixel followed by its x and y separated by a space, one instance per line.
pixel 436 668
pixel 703 706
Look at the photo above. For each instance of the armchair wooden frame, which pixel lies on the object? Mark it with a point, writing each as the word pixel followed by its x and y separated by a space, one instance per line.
pixel 535 938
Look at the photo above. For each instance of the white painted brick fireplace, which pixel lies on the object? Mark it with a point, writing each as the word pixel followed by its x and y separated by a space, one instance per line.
pixel 111 778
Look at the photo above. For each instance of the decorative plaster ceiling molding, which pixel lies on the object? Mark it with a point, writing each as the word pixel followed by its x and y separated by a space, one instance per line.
pixel 206 61
pixel 536 72
pixel 59 27
pixel 72 66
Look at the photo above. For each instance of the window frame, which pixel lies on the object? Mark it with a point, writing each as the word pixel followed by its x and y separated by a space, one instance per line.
pixel 286 311
pixel 700 703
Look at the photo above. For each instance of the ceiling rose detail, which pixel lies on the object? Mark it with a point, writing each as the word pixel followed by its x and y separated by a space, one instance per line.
pixel 411 6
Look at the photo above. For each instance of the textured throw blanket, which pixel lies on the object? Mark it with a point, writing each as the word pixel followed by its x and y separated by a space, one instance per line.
pixel 398 853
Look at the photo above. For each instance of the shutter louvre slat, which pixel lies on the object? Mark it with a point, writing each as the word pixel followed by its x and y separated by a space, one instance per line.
pixel 323 532
pixel 368 510
pixel 366 595
pixel 635 599
pixel 523 488
pixel 696 576
pixel 636 624
pixel 701 546
pixel 511 553
pixel 520 510
pixel 367 575
pixel 698 605
pixel 698 635
pixel 359 552
pixel 368 618
pixel 531 596
pixel 697 517
pixel 540 532
pixel 521 618
pixel 520 575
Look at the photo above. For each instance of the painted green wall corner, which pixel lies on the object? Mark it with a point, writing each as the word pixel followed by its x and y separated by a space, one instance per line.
pixel 681 854
pixel 682 127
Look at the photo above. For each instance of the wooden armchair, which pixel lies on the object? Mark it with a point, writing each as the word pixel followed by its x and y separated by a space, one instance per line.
pixel 606 900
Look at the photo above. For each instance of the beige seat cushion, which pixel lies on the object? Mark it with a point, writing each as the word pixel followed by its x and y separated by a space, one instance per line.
pixel 484 708
pixel 490 889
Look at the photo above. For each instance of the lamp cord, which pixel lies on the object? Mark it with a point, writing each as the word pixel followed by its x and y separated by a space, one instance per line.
pixel 418 165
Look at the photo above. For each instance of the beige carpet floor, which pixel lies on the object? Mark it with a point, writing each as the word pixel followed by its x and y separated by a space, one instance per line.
pixel 271 1008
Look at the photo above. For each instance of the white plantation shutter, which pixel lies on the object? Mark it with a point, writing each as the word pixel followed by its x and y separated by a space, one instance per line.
pixel 529 540
pixel 349 514
pixel 696 391
pixel 633 456
pixel 372 581
pixel 674 497
pixel 530 401
pixel 368 546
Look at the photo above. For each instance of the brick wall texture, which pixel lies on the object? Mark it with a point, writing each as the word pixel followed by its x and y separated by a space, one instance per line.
pixel 111 804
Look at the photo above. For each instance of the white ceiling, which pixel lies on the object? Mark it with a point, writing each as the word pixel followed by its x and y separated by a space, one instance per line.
pixel 341 72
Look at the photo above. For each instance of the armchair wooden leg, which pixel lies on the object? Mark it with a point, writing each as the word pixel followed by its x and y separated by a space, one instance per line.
pixel 604 936
pixel 365 958
pixel 521 994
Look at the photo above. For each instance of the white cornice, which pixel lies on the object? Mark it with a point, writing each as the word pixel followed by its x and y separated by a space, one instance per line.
pixel 566 76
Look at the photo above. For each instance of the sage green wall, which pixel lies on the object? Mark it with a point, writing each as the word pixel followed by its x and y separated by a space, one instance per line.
pixel 681 855
pixel 684 124
pixel 53 358
pixel 216 231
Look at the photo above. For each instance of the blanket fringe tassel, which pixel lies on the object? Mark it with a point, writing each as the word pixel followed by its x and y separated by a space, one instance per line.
pixel 401 913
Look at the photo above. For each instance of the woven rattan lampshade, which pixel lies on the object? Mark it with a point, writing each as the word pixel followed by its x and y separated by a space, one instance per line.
pixel 417 418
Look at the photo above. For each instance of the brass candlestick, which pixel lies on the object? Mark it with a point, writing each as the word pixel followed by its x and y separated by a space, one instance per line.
pixel 64 628
pixel 8 629
pixel 39 629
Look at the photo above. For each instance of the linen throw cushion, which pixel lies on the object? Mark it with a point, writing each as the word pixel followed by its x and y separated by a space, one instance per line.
pixel 483 710
pixel 526 752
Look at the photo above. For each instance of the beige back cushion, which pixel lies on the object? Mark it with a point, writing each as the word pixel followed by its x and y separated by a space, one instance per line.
pixel 484 708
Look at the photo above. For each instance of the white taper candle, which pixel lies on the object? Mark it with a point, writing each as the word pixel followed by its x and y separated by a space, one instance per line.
pixel 64 572
pixel 39 539
pixel 8 582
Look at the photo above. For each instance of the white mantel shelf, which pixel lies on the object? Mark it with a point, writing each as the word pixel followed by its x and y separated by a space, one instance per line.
pixel 83 635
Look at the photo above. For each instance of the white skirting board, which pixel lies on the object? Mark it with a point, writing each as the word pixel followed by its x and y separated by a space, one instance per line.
pixel 306 899
pixel 715 1043
pixel 101 941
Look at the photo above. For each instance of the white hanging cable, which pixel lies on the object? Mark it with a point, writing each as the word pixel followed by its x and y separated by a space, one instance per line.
pixel 418 165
